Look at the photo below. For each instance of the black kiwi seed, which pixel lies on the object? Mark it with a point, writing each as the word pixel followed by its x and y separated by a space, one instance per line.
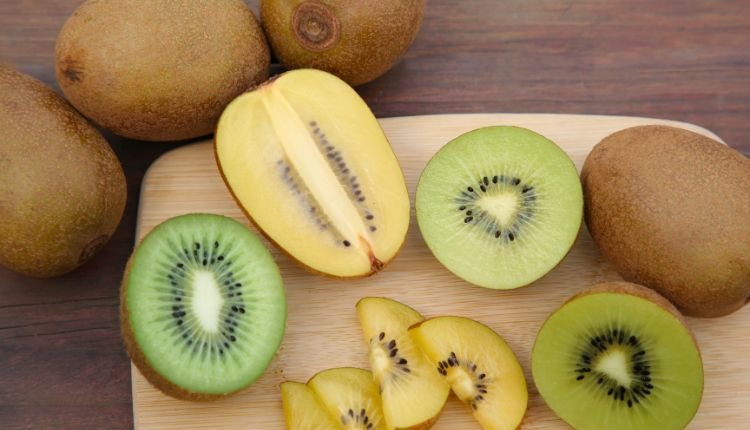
pixel 400 364
pixel 506 233
pixel 479 379
pixel 641 386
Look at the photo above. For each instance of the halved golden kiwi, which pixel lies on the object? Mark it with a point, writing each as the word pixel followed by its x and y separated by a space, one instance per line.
pixel 308 162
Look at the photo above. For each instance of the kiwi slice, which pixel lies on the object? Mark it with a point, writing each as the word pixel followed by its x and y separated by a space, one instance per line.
pixel 413 392
pixel 350 395
pixel 479 366
pixel 303 410
pixel 618 357
pixel 308 162
pixel 202 307
pixel 500 206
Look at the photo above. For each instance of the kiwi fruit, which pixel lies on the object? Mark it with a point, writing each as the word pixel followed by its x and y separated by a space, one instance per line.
pixel 309 164
pixel 202 307
pixel 480 367
pixel 303 410
pixel 619 357
pixel 159 70
pixel 413 392
pixel 500 206
pixel 357 41
pixel 351 396
pixel 669 208
pixel 62 189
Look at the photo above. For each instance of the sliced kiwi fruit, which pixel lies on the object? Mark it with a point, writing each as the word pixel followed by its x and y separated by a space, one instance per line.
pixel 202 307
pixel 308 162
pixel 303 410
pixel 413 392
pixel 669 208
pixel 480 367
pixel 500 206
pixel 618 357
pixel 351 396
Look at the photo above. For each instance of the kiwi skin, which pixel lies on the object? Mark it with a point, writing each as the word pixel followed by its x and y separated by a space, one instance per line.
pixel 357 41
pixel 668 208
pixel 170 87
pixel 62 188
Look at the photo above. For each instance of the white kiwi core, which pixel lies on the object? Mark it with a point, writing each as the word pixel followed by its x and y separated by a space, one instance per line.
pixel 207 301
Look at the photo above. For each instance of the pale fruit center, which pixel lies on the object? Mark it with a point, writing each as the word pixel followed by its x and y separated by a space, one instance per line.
pixel 380 362
pixel 462 384
pixel 207 301
pixel 304 155
pixel 503 206
pixel 614 363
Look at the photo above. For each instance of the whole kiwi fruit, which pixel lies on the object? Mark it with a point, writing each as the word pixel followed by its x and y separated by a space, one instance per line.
pixel 62 189
pixel 159 70
pixel 357 41
pixel 670 209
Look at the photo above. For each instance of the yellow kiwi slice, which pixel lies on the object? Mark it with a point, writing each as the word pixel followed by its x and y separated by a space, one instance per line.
pixel 308 162
pixel 479 366
pixel 413 392
pixel 303 410
pixel 350 395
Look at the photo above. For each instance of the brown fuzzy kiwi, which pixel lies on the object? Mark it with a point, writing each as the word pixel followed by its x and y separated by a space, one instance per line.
pixel 356 40
pixel 182 64
pixel 62 188
pixel 668 208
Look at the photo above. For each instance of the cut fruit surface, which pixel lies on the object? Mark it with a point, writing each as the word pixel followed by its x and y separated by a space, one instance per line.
pixel 308 162
pixel 618 357
pixel 480 367
pixel 203 307
pixel 303 410
pixel 500 206
pixel 413 392
pixel 351 396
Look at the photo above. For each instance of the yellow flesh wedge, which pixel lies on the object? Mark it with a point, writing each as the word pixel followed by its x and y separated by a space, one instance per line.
pixel 481 368
pixel 308 162
pixel 413 398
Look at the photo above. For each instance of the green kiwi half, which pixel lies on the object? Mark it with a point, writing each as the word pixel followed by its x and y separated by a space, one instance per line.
pixel 202 307
pixel 500 206
pixel 618 357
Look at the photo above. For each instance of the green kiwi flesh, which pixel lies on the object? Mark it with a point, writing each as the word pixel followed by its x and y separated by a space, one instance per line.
pixel 203 308
pixel 500 206
pixel 618 357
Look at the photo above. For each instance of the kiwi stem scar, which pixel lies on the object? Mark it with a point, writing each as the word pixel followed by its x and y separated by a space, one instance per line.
pixel 303 154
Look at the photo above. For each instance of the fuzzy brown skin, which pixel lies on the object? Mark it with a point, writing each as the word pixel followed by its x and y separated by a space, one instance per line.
pixel 669 208
pixel 139 358
pixel 156 69
pixel 359 40
pixel 62 189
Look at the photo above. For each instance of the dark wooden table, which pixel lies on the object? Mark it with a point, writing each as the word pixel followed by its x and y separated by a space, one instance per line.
pixel 62 364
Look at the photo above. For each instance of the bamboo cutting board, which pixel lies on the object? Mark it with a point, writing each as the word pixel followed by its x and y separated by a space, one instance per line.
pixel 322 329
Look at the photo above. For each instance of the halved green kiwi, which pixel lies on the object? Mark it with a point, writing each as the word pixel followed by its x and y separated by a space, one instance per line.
pixel 618 357
pixel 500 206
pixel 202 307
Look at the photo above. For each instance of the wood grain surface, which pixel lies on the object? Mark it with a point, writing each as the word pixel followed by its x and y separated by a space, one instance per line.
pixel 61 360
pixel 322 327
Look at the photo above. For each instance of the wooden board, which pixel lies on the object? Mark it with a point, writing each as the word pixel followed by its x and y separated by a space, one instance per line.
pixel 323 331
